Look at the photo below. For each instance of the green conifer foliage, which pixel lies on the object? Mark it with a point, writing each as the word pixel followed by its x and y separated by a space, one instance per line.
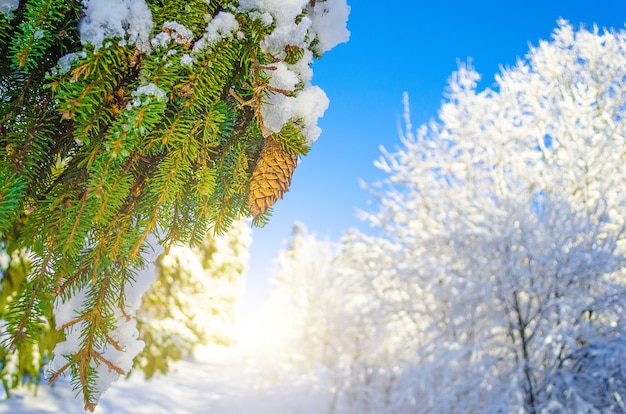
pixel 151 131
pixel 23 363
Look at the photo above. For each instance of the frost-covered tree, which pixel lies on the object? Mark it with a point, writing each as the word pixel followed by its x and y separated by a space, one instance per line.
pixel 302 269
pixel 495 271
pixel 127 124
pixel 327 321
pixel 509 211
pixel 193 301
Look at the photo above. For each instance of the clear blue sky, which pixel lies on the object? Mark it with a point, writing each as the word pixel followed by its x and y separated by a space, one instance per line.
pixel 410 46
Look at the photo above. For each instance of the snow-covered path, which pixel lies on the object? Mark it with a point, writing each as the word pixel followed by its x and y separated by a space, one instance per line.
pixel 218 385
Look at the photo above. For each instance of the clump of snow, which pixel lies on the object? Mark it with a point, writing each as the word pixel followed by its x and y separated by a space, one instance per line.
pixel 282 77
pixel 179 33
pixel 63 351
pixel 186 60
pixel 311 104
pixel 298 23
pixel 133 291
pixel 4 262
pixel 160 40
pixel 265 18
pixel 65 62
pixel 66 311
pixel 172 32
pixel 146 90
pixel 307 107
pixel 326 20
pixel 150 90
pixel 127 19
pixel 285 11
pixel 290 34
pixel 125 332
pixel 127 336
pixel 329 23
pixel 222 26
pixel 303 67
pixel 7 7
pixel 277 110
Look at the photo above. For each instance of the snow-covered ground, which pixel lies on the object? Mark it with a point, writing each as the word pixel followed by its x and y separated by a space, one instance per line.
pixel 215 382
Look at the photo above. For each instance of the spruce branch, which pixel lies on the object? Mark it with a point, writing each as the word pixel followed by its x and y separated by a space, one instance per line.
pixel 106 145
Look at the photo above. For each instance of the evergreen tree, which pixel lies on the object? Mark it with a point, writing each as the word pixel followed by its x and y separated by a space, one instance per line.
pixel 24 363
pixel 193 300
pixel 131 124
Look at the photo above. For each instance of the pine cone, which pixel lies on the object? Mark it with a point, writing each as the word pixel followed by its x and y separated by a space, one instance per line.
pixel 271 177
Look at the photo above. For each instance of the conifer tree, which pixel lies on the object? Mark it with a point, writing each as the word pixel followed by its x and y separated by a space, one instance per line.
pixel 193 300
pixel 24 363
pixel 131 124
